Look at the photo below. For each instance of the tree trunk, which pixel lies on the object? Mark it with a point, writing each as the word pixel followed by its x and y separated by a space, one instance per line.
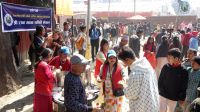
pixel 9 79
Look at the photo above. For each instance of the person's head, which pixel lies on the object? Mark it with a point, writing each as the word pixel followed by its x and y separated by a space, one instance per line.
pixel 195 63
pixel 104 45
pixel 164 39
pixel 124 40
pixel 174 56
pixel 176 41
pixel 56 35
pixel 182 32
pixel 127 55
pixel 191 53
pixel 66 26
pixel 163 30
pixel 139 33
pixel 150 40
pixel 78 64
pixel 188 30
pixel 64 52
pixel 46 55
pixel 111 58
pixel 94 25
pixel 40 31
pixel 82 28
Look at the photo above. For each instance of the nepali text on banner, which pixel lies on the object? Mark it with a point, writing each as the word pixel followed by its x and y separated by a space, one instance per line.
pixel 24 18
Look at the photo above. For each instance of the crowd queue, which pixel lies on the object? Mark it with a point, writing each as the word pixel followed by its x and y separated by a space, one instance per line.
pixel 165 77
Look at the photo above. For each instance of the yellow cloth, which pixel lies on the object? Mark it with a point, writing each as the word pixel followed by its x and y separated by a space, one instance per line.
pixel 64 7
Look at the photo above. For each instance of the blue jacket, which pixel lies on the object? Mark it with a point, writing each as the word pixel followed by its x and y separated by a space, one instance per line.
pixel 94 33
pixel 194 43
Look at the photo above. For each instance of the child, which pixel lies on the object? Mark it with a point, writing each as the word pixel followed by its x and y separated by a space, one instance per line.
pixel 194 79
pixel 190 54
pixel 172 83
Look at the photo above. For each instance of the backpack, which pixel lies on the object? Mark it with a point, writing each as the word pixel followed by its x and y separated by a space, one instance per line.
pixel 79 43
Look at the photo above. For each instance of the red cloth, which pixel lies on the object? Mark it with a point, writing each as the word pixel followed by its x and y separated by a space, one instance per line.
pixel 43 79
pixel 182 38
pixel 195 33
pixel 152 60
pixel 66 66
pixel 149 47
pixel 116 77
pixel 186 39
pixel 42 103
pixel 98 66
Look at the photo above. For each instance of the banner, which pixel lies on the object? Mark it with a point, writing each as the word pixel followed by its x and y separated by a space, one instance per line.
pixel 64 8
pixel 24 18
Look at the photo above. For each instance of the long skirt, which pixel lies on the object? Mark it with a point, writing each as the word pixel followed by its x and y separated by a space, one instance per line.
pixel 161 61
pixel 42 103
pixel 115 104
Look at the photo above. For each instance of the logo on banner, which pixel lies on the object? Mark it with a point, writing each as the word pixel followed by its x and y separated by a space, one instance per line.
pixel 8 20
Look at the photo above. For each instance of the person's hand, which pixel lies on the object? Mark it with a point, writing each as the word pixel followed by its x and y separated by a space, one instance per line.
pixel 122 82
pixel 181 102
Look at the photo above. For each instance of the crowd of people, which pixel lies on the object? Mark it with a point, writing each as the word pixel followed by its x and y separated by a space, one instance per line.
pixel 162 78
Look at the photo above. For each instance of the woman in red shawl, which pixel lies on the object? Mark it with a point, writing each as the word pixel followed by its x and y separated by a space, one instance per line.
pixel 44 80
pixel 149 51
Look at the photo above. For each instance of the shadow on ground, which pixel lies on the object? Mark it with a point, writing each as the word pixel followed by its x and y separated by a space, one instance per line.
pixel 18 105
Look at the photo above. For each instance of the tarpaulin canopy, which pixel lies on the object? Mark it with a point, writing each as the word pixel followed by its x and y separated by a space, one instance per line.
pixel 137 17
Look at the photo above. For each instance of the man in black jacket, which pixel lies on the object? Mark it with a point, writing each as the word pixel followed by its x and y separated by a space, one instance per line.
pixel 172 82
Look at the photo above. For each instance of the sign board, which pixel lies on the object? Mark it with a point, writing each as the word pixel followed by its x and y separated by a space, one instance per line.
pixel 24 18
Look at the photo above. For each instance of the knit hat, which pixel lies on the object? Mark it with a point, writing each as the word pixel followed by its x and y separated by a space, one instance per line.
pixel 196 59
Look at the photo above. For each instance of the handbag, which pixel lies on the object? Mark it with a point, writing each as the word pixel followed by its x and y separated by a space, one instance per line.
pixel 118 92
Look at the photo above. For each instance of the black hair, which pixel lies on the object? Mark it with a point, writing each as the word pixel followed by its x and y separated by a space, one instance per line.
pixel 39 30
pixel 164 40
pixel 175 52
pixel 82 27
pixel 196 59
pixel 46 52
pixel 140 31
pixel 65 23
pixel 126 52
pixel 177 43
pixel 182 32
pixel 193 50
pixel 188 30
pixel 103 42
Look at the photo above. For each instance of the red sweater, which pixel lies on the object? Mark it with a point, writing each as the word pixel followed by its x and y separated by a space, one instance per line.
pixel 43 79
pixel 66 66
pixel 186 39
